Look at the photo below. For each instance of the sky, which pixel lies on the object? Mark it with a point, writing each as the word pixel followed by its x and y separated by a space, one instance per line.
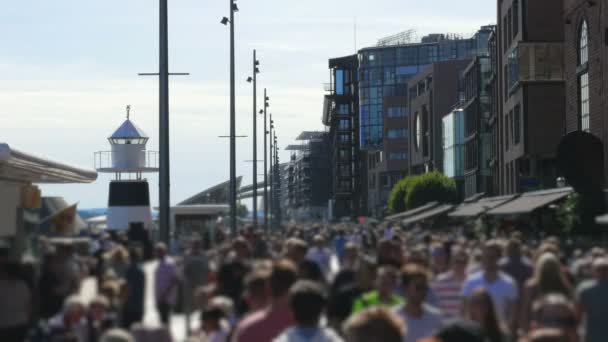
pixel 69 68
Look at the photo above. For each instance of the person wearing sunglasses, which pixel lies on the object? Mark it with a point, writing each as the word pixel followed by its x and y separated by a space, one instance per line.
pixel 421 319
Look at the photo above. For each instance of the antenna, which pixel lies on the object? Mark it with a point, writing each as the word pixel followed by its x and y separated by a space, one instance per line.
pixel 128 111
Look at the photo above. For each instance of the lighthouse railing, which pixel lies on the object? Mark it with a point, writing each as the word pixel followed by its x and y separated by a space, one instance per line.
pixel 105 160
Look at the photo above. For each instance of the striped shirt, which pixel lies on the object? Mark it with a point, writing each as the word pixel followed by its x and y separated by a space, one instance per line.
pixel 449 294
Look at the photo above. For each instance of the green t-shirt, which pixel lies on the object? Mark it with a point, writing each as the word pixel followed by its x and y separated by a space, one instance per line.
pixel 372 298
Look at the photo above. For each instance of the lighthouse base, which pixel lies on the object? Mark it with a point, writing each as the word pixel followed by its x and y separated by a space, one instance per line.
pixel 129 202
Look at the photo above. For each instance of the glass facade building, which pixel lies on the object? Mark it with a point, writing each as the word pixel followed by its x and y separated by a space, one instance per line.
pixel 384 71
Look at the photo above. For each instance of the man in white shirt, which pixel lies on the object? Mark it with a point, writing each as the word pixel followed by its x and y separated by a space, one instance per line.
pixel 501 287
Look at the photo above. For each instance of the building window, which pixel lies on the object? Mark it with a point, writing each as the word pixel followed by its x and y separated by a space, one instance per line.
pixel 583 44
pixel 343 109
pixel 511 128
pixel 517 124
pixel 505 38
pixel 583 77
pixel 515 18
pixel 513 69
pixel 418 128
pixel 510 25
pixel 395 112
pixel 344 124
pixel 506 132
pixel 397 133
pixel 397 156
pixel 584 99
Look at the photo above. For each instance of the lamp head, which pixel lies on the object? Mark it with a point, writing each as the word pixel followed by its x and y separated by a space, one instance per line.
pixel 249 79
pixel 257 70
pixel 235 8
pixel 225 21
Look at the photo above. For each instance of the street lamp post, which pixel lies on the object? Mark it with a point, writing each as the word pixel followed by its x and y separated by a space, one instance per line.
pixel 264 111
pixel 253 79
pixel 163 76
pixel 271 203
pixel 233 225
pixel 277 183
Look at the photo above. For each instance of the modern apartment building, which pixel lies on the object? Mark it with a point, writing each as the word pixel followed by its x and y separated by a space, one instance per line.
pixel 308 189
pixel 384 124
pixel 531 90
pixel 477 107
pixel 341 116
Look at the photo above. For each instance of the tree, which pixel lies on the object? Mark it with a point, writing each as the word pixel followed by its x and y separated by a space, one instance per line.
pixel 431 187
pixel 396 199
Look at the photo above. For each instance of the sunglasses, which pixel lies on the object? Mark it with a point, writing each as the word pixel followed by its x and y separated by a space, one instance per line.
pixel 558 322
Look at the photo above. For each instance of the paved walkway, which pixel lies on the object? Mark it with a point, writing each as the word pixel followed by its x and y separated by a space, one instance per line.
pixel 88 291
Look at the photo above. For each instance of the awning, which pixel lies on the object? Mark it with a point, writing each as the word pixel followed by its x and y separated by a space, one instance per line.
pixel 412 212
pixel 436 211
pixel 530 201
pixel 474 209
pixel 18 166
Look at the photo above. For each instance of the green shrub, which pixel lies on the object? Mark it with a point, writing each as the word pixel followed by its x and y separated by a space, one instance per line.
pixel 431 187
pixel 396 199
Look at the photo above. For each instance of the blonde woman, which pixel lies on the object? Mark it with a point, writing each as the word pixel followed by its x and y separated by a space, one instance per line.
pixel 548 278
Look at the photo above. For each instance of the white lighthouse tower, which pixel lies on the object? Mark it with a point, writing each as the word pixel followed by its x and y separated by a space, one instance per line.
pixel 129 197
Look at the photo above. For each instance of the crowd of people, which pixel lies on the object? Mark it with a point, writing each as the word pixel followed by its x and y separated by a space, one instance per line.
pixel 318 283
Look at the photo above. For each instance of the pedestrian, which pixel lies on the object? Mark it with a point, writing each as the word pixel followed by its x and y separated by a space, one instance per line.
pixel 70 321
pixel 448 286
pixel 515 264
pixel 481 310
pixel 376 324
pixel 421 319
pixel 460 331
pixel 320 254
pixel 165 283
pixel 501 287
pixel 383 294
pixel 256 293
pixel 117 335
pixel 195 269
pixel 212 329
pixel 592 301
pixel 307 302
pixel 548 278
pixel 265 325
pixel 556 311
pixel 546 335
pixel 135 284
pixel 98 318
pixel 15 300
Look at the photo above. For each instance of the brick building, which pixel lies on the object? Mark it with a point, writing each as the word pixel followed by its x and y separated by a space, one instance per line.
pixel 585 51
pixel 531 90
